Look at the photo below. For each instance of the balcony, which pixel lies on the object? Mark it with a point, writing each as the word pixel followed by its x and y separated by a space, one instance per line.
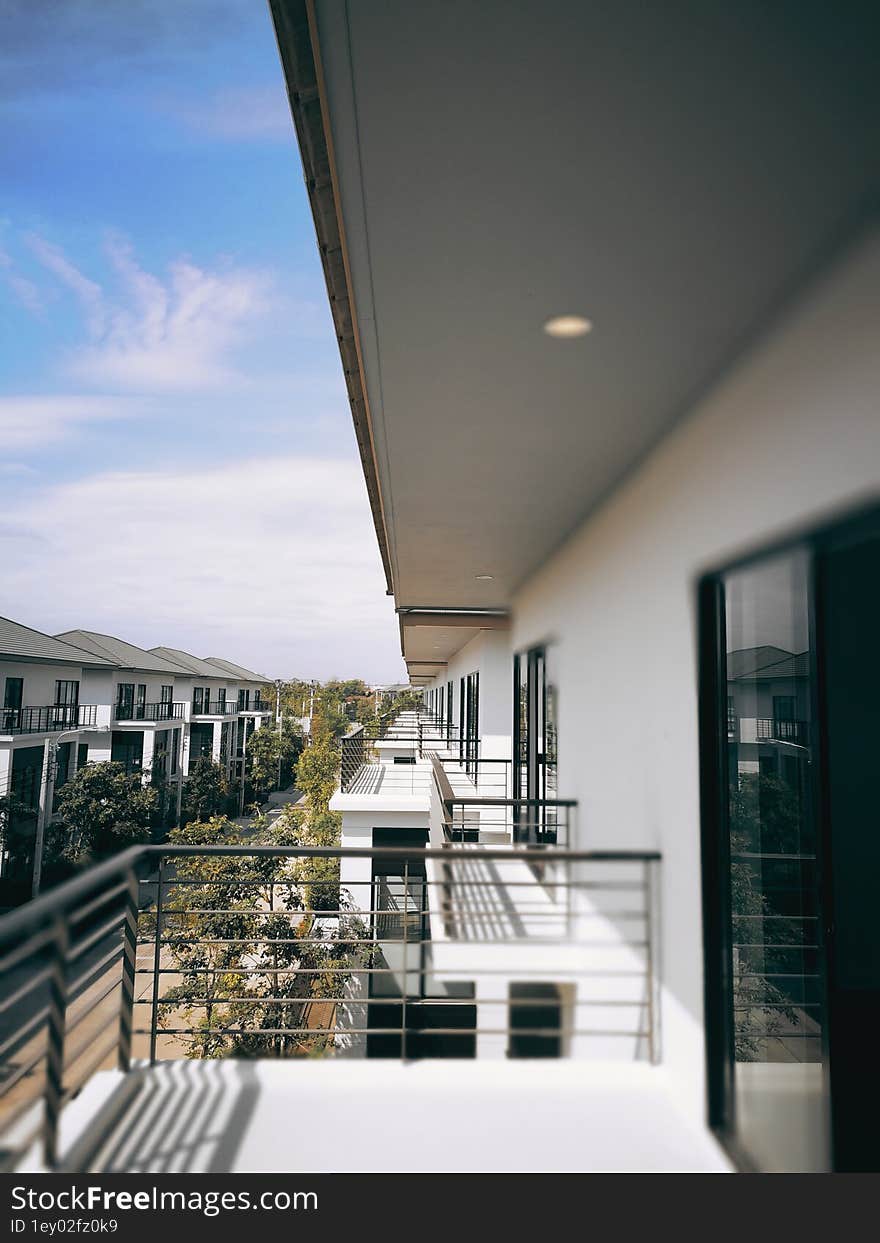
pixel 150 712
pixel 49 719
pixel 256 706
pixel 323 976
pixel 771 730
pixel 215 707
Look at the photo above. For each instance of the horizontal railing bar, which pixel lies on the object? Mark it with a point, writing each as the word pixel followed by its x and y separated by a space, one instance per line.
pixel 352 969
pixel 366 910
pixel 32 1024
pixel 21 1073
pixel 76 917
pixel 379 938
pixel 23 989
pixel 89 1070
pixel 114 924
pixel 424 1002
pixel 45 908
pixel 557 1032
pixel 94 1002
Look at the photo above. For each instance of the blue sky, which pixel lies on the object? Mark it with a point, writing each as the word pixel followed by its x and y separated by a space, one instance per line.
pixel 177 463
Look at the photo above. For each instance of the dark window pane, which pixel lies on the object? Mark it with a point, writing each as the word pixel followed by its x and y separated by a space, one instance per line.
pixel 777 1012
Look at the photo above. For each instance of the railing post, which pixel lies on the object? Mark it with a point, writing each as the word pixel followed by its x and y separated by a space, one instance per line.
pixel 129 964
pixel 157 954
pixel 56 1026
pixel 403 1050
pixel 653 1043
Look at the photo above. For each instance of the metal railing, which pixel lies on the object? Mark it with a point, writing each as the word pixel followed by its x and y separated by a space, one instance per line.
pixel 776 730
pixel 47 719
pixel 256 706
pixel 163 711
pixel 366 746
pixel 264 951
pixel 478 814
pixel 216 707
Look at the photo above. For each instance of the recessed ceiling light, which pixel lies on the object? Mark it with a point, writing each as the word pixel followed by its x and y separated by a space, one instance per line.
pixel 566 327
pixel 484 578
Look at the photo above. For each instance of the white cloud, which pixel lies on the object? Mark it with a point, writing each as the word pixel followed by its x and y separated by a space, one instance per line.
pixel 272 562
pixel 28 422
pixel 150 335
pixel 243 113
pixel 87 291
pixel 24 290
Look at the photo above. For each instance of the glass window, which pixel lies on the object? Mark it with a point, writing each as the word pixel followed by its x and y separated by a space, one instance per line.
pixel 125 701
pixel 534 747
pixel 772 939
pixel 10 718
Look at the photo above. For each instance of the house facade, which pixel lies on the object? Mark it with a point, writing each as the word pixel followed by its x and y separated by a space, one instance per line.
pixel 634 569
pixel 84 697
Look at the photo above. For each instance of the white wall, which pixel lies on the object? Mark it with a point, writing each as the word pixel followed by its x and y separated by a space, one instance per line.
pixel 39 680
pixel 488 654
pixel 792 432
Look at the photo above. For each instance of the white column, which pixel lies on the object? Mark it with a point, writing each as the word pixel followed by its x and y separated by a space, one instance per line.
pixel 5 769
pixel 147 756
pixel 45 810
pixel 215 742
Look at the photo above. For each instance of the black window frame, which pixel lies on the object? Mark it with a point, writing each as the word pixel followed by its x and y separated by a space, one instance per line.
pixel 816 541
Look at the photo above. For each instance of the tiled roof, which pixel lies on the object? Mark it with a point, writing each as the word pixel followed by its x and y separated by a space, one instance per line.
pixel 22 643
pixel 124 655
pixel 187 663
pixel 746 660
pixel 238 671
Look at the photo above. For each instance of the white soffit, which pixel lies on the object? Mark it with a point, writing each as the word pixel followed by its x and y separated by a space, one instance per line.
pixel 673 173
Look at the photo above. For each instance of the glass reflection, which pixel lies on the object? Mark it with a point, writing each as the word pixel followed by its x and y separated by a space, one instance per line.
pixel 777 994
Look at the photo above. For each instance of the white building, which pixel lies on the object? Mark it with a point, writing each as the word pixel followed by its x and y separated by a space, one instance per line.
pixel 55 707
pixel 608 321
pixel 606 285
pixel 83 696
pixel 225 707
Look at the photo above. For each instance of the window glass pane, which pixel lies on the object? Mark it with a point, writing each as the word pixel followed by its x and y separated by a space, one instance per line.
pixel 777 1001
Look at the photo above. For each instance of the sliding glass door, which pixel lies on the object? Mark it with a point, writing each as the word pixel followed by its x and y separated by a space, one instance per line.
pixel 791 861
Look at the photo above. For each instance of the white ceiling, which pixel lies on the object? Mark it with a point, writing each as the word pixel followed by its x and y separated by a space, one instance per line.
pixel 671 171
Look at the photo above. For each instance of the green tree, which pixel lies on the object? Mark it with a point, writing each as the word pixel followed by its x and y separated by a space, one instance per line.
pixel 765 818
pixel 317 772
pixel 268 751
pixel 103 809
pixel 206 791
pixel 253 953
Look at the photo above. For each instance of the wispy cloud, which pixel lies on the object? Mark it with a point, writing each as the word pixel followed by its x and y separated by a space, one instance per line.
pixel 238 114
pixel 23 289
pixel 29 422
pixel 268 560
pixel 148 334
pixel 88 292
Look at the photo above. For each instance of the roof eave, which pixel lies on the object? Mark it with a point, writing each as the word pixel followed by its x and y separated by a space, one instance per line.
pixel 297 36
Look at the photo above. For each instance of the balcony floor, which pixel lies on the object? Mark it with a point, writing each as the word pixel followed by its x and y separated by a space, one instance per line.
pixel 338 1116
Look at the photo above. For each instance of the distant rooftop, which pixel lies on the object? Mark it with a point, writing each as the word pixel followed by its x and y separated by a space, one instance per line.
pixel 238 671
pixel 19 642
pixel 187 663
pixel 122 654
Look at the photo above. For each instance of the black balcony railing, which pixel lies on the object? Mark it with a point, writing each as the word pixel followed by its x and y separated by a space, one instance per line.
pixel 289 952
pixel 255 705
pixel 150 712
pixel 47 719
pixel 776 730
pixel 215 707
pixel 359 747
